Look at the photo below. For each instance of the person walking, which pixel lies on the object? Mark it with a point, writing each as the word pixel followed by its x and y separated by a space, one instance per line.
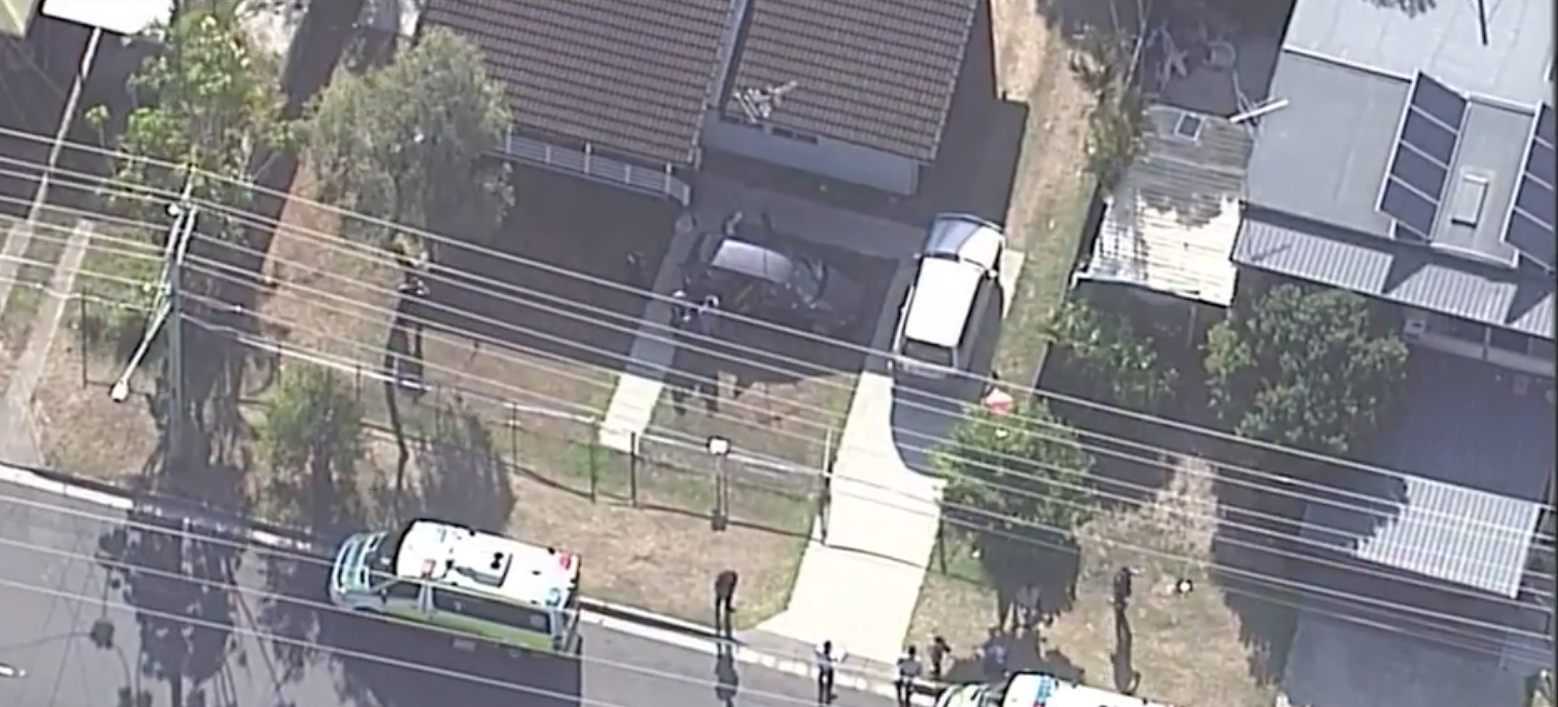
pixel 940 650
pixel 1121 590
pixel 1030 612
pixel 994 656
pixel 724 600
pixel 908 674
pixel 827 663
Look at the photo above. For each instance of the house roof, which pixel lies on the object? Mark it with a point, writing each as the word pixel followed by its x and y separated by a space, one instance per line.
pixel 1171 224
pixel 1478 457
pixel 16 17
pixel 1345 76
pixel 876 73
pixel 629 76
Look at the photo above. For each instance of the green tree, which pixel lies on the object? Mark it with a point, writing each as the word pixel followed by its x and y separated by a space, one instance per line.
pixel 408 143
pixel 1310 369
pixel 208 100
pixel 1118 117
pixel 313 432
pixel 1012 478
pixel 1106 359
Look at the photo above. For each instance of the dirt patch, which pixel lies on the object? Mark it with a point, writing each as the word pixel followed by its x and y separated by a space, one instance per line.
pixel 1178 647
pixel 79 428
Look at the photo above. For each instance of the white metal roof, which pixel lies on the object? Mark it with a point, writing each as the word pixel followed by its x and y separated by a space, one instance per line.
pixel 124 17
pixel 487 563
pixel 1039 690
pixel 943 299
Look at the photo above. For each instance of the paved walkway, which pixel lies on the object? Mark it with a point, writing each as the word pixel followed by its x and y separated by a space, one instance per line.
pixel 19 443
pixel 860 589
pixel 638 389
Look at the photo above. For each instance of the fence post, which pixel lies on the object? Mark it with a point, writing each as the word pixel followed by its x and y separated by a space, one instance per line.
pixel 941 545
pixel 513 433
pixel 357 381
pixel 81 328
pixel 633 440
pixel 594 476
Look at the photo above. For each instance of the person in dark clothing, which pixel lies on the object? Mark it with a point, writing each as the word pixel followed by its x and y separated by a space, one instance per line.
pixel 724 599
pixel 939 651
pixel 1121 591
pixel 827 663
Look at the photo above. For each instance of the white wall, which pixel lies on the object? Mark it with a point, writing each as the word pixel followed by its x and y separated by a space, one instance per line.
pixel 828 158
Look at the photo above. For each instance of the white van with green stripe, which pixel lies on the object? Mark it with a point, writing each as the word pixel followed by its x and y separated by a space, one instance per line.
pixel 455 578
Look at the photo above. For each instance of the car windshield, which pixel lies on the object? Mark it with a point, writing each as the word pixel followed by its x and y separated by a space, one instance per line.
pixel 807 278
pixel 927 353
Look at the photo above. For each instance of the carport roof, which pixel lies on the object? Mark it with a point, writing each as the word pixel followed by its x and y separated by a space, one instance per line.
pixel 1477 457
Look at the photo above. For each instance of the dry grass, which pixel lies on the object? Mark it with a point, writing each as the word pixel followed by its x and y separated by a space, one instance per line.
pixel 1051 193
pixel 79 428
pixel 1186 648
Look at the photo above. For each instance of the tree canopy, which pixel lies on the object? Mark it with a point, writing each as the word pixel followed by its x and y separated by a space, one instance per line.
pixel 408 142
pixel 1117 119
pixel 1107 359
pixel 1310 369
pixel 208 99
pixel 1013 477
pixel 313 426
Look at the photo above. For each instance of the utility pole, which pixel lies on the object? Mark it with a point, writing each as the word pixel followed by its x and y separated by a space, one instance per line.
pixel 169 305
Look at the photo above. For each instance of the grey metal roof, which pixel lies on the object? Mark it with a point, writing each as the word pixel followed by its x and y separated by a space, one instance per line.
pixel 1171 223
pixel 1515 299
pixel 1322 158
pixel 1443 39
pixel 1478 455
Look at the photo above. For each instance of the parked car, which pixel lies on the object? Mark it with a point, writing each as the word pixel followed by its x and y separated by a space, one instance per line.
pixel 947 302
pixel 774 281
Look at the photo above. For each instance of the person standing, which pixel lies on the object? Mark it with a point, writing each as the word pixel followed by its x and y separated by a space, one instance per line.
pixel 724 600
pixel 995 655
pixel 940 650
pixel 1030 610
pixel 1121 590
pixel 827 663
pixel 908 673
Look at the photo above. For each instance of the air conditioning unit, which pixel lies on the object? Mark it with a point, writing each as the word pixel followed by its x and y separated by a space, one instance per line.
pixel 1522 385
pixel 1415 326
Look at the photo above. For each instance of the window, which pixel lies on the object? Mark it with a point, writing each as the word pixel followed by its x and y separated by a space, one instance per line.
pixel 927 353
pixel 1512 341
pixel 1460 329
pixel 1542 349
pixel 493 610
pixel 408 591
pixel 792 135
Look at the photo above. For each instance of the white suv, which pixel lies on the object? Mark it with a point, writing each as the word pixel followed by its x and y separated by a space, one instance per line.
pixel 947 302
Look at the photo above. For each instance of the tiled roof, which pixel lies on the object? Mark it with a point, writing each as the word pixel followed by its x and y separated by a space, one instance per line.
pixel 629 76
pixel 876 73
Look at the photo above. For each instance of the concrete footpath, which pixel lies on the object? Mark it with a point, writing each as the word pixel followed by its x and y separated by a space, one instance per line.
pixel 638 390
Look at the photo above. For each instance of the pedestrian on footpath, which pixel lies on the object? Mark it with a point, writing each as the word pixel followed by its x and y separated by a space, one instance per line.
pixel 908 674
pixel 1030 611
pixel 994 656
pixel 827 662
pixel 724 600
pixel 825 506
pixel 1121 590
pixel 940 650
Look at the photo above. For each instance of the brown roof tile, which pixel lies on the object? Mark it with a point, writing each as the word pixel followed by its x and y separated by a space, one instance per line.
pixel 878 73
pixel 629 75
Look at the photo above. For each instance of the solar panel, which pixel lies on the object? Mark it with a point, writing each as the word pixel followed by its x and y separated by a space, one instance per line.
pixel 1535 208
pixel 1420 166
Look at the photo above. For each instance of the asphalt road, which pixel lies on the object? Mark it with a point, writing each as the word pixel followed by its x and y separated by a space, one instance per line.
pixel 110 609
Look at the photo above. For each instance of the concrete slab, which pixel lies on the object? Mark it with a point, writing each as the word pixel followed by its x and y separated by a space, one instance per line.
pixel 638 389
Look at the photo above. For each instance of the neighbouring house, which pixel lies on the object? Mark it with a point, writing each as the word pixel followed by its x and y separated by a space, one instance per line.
pixel 633 92
pixel 1409 157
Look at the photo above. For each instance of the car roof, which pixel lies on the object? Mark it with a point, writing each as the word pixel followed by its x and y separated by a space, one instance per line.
pixel 942 302
pixel 453 555
pixel 967 237
pixel 751 259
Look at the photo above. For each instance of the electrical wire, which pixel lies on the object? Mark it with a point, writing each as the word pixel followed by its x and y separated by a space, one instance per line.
pixel 1250 513
pixel 1467 640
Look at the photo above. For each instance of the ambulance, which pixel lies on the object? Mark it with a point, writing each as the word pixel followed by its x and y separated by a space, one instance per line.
pixel 1037 690
pixel 447 576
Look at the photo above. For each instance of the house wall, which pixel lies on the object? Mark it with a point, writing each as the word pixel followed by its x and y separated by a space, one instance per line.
pixel 1517 352
pixel 818 155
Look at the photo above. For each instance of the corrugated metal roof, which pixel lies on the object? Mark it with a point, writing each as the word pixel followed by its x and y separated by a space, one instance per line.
pixel 1409 275
pixel 1476 456
pixel 1171 224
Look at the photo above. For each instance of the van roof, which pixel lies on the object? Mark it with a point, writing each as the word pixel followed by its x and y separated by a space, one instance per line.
pixel 486 563
pixel 942 302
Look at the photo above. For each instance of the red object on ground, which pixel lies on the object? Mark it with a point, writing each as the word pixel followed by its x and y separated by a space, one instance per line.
pixel 998 403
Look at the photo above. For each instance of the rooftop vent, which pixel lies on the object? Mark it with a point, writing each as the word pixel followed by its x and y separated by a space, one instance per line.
pixel 1189 127
pixel 1470 194
pixel 758 103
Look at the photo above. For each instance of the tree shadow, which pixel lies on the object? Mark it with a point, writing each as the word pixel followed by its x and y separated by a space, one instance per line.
pixel 459 474
pixel 167 573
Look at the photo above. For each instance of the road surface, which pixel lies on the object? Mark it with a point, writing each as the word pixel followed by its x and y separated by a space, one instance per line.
pixel 105 608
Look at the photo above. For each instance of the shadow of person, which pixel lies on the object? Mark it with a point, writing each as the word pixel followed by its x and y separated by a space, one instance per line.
pixel 726 681
pixel 1125 676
